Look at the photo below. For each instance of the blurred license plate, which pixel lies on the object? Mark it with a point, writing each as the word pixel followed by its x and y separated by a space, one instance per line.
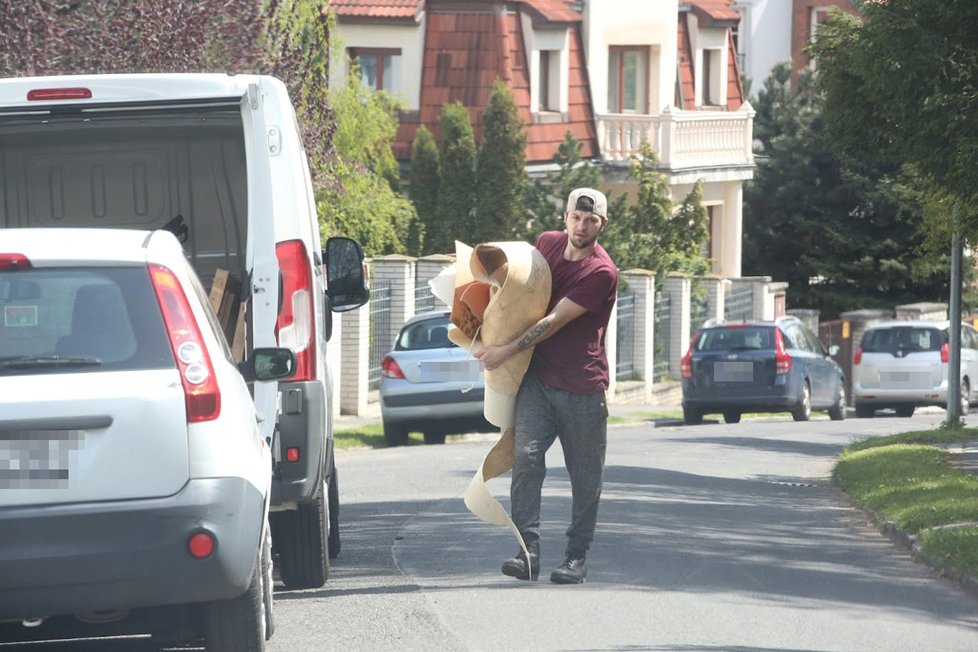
pixel 905 380
pixel 445 371
pixel 733 371
pixel 34 459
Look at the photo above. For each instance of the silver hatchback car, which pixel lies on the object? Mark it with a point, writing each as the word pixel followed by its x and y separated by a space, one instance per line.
pixel 904 364
pixel 429 384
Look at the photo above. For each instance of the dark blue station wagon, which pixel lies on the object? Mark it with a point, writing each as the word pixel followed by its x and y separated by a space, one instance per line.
pixel 760 366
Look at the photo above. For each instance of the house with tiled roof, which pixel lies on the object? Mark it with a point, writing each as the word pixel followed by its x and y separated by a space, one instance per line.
pixel 611 72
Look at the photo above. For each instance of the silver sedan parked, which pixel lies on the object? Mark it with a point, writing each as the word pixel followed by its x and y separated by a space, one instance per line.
pixel 430 385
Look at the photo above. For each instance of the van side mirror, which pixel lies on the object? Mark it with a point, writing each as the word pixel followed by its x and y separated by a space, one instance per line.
pixel 346 274
pixel 833 349
pixel 268 364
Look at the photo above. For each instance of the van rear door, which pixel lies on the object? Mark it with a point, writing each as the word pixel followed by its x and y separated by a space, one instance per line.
pixel 261 262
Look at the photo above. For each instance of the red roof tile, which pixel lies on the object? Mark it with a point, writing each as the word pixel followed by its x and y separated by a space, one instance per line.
pixel 719 10
pixel 735 91
pixel 554 11
pixel 376 8
pixel 466 52
pixel 685 66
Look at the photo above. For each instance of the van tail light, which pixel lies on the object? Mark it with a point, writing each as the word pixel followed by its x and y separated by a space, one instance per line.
pixel 296 327
pixel 203 396
pixel 686 364
pixel 945 353
pixel 782 361
pixel 13 262
pixel 390 369
pixel 856 359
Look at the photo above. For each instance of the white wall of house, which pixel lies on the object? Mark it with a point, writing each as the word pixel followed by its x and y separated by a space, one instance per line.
pixel 650 23
pixel 408 38
pixel 765 33
pixel 727 201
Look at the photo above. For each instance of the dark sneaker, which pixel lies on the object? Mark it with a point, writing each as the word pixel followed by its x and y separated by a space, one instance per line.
pixel 517 566
pixel 572 571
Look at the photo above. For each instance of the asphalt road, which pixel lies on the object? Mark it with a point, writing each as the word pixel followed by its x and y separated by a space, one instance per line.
pixel 710 538
pixel 716 537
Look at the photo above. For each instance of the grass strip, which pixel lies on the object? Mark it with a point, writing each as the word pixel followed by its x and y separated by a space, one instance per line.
pixel 905 479
pixel 371 436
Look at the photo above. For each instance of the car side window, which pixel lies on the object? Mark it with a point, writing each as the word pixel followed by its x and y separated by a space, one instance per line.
pixel 797 336
pixel 815 343
pixel 968 338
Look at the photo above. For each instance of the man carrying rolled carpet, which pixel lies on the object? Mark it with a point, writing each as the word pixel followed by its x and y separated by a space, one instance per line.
pixel 563 393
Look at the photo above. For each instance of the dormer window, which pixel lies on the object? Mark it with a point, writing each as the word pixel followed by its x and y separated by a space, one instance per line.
pixel 379 68
pixel 710 78
pixel 628 74
pixel 548 88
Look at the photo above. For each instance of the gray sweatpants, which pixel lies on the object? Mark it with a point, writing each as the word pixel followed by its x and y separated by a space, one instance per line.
pixel 543 414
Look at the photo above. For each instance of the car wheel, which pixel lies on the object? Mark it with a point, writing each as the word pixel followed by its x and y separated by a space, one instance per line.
pixel 865 411
pixel 434 436
pixel 300 536
pixel 692 416
pixel 905 410
pixel 395 435
pixel 838 411
pixel 241 624
pixel 965 397
pixel 731 417
pixel 334 515
pixel 804 410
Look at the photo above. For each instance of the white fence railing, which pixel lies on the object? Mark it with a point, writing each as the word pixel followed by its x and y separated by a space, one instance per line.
pixel 681 139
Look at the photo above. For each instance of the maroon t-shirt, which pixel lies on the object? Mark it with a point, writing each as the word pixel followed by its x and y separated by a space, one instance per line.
pixel 574 359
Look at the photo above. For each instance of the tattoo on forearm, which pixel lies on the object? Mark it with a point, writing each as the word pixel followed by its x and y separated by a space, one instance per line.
pixel 533 335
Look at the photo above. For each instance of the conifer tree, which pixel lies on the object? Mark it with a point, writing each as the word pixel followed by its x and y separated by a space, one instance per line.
pixel 456 194
pixel 501 166
pixel 424 182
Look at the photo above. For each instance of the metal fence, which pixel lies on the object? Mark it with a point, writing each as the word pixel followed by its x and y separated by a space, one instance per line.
pixel 739 306
pixel 625 340
pixel 660 340
pixel 424 300
pixel 380 327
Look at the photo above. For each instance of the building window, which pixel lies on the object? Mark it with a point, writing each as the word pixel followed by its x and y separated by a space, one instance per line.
pixel 628 74
pixel 710 78
pixel 379 68
pixel 544 98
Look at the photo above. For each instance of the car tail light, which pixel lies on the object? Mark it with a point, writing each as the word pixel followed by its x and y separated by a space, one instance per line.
pixel 782 361
pixel 686 364
pixel 201 545
pixel 45 94
pixel 203 396
pixel 292 454
pixel 856 359
pixel 390 369
pixel 11 262
pixel 296 327
pixel 945 353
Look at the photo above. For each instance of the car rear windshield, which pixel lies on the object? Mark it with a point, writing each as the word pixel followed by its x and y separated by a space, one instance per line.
pixel 903 338
pixel 80 320
pixel 426 334
pixel 744 338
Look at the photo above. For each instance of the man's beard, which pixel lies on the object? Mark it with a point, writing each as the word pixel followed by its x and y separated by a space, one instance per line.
pixel 585 243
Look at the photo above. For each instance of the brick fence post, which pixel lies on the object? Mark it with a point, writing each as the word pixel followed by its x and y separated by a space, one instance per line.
pixel 641 282
pixel 678 286
pixel 398 272
pixel 715 296
pixel 428 267
pixel 355 360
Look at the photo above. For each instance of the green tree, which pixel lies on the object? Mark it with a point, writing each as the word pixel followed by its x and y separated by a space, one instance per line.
pixel 902 87
pixel 842 233
pixel 361 200
pixel 501 169
pixel 654 234
pixel 545 197
pixel 425 179
pixel 456 193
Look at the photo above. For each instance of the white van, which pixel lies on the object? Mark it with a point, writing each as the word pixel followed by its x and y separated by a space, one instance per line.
pixel 218 160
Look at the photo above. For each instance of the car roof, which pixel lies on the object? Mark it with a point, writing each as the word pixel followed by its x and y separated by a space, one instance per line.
pixel 430 314
pixel 56 246
pixel 911 323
